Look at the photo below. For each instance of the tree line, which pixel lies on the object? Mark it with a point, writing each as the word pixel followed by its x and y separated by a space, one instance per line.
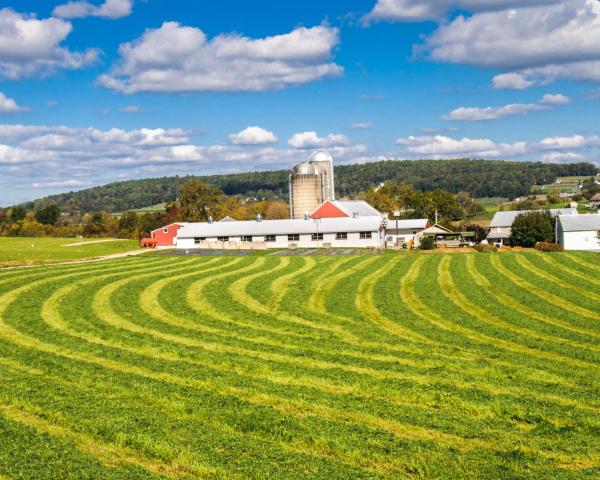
pixel 479 178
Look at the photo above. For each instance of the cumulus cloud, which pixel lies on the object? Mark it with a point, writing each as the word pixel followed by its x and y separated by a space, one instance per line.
pixel 253 136
pixel 30 46
pixel 476 114
pixel 8 105
pixel 558 149
pixel 306 140
pixel 52 156
pixel 517 41
pixel 421 10
pixel 177 58
pixel 112 9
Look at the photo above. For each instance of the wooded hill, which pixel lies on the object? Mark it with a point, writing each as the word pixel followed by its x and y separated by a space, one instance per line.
pixel 481 178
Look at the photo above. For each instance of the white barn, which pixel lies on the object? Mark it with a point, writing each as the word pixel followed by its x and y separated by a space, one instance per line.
pixel 578 232
pixel 501 226
pixel 361 232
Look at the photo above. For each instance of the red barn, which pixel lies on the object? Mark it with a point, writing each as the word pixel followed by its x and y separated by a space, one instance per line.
pixel 165 236
pixel 345 209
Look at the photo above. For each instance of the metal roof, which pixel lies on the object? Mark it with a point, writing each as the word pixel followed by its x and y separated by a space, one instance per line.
pixel 360 207
pixel 506 219
pixel 281 227
pixel 580 223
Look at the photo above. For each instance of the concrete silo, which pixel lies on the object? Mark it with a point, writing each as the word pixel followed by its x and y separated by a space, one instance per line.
pixel 311 184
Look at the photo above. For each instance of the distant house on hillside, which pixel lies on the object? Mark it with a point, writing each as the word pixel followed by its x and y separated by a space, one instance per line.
pixel 578 232
pixel 501 226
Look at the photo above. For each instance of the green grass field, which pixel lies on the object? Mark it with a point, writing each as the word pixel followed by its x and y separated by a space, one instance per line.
pixel 392 366
pixel 29 251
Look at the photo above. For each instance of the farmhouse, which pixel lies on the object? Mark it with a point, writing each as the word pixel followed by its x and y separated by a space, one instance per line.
pixel 501 226
pixel 578 232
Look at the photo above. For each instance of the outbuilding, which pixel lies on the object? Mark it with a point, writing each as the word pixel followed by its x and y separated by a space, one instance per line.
pixel 578 232
pixel 165 236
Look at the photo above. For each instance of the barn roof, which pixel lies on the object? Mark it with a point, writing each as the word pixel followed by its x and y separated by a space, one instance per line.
pixel 506 219
pixel 580 223
pixel 281 227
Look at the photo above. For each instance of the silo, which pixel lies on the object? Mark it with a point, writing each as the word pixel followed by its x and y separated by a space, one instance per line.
pixel 323 161
pixel 306 192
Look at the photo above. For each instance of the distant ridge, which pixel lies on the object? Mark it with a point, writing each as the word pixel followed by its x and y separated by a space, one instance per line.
pixel 481 178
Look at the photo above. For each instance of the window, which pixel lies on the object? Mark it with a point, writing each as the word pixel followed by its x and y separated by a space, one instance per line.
pixel 222 239
pixel 165 230
pixel 270 238
pixel 365 235
pixel 317 236
pixel 197 240
pixel 294 238
pixel 246 238
pixel 341 236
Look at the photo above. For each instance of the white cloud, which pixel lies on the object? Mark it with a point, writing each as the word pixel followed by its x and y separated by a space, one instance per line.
pixel 420 10
pixel 29 46
pixel 307 140
pixel 8 105
pixel 361 126
pixel 440 146
pixel 70 183
pixel 476 114
pixel 131 109
pixel 109 9
pixel 535 44
pixel 52 103
pixel 572 142
pixel 176 58
pixel 563 157
pixel 511 81
pixel 253 136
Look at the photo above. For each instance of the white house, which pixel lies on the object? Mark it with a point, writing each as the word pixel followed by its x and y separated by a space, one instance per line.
pixel 578 232
pixel 361 232
pixel 501 226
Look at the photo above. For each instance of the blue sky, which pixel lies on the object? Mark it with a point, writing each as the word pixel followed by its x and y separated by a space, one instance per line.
pixel 107 90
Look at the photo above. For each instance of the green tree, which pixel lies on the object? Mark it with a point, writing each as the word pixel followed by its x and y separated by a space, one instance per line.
pixel 48 215
pixel 17 213
pixel 532 227
pixel 129 225
pixel 198 201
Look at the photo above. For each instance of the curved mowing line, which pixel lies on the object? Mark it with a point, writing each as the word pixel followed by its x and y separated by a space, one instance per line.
pixel 107 454
pixel 280 286
pixel 409 296
pixel 519 307
pixel 365 302
pixel 450 290
pixel 399 429
pixel 552 261
pixel 543 294
pixel 239 294
pixel 527 265
pixel 324 284
pixel 584 263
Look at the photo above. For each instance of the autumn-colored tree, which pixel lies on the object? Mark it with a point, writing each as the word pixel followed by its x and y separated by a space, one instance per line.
pixel 198 201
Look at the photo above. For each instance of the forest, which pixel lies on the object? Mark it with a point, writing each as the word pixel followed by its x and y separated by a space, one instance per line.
pixel 480 178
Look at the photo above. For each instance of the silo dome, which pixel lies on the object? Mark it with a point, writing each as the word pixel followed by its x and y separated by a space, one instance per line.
pixel 321 156
pixel 304 169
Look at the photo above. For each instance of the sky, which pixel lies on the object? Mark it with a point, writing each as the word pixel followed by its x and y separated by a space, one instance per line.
pixel 97 91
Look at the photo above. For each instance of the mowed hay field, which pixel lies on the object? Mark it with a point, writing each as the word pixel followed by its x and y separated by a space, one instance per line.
pixel 366 366
pixel 16 251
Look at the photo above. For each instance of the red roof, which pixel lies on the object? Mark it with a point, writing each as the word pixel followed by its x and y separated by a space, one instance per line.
pixel 328 210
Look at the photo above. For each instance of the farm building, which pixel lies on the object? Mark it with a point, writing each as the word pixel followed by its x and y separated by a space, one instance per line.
pixel 595 202
pixel 501 226
pixel 165 236
pixel 362 232
pixel 578 232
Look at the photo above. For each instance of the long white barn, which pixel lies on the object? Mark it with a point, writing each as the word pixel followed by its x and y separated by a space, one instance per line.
pixel 362 232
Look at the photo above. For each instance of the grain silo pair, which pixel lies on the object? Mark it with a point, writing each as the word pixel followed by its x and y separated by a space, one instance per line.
pixel 311 184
